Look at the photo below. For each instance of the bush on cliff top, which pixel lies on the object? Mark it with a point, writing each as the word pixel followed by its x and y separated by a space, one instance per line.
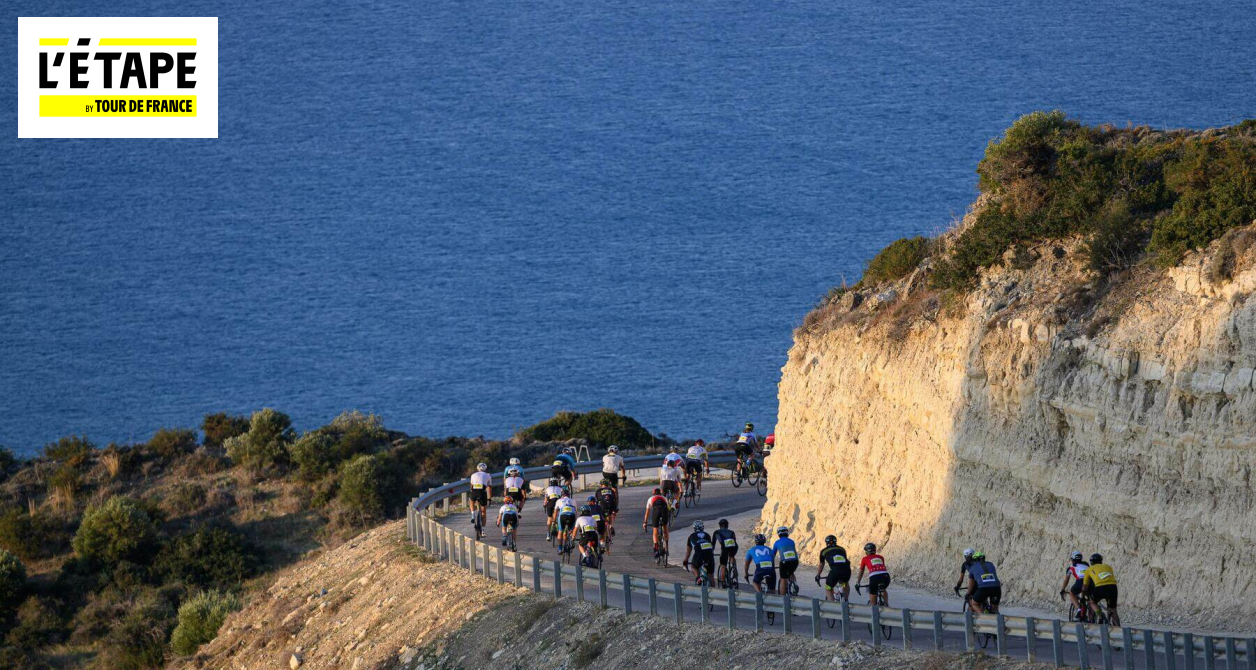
pixel 601 427
pixel 896 260
pixel 199 620
pixel 266 443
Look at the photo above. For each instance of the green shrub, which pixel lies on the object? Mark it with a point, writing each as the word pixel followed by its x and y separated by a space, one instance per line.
pixel 31 537
pixel 7 460
pixel 184 498
pixel 601 427
pixel 73 450
pixel 1215 181
pixel 896 260
pixel 266 443
pixel 138 640
pixel 199 620
pixel 1027 149
pixel 38 625
pixel 207 557
pixel 1117 240
pixel 12 582
pixel 362 485
pixel 120 529
pixel 220 427
pixel 315 454
pixel 172 442
pixel 64 478
pixel 1232 245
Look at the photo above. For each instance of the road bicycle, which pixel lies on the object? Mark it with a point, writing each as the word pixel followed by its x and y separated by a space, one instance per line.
pixel 731 580
pixel 594 559
pixel 746 471
pixel 569 546
pixel 882 599
pixel 762 486
pixel 842 596
pixel 509 540
pixel 692 495
pixel 983 639
pixel 660 552
pixel 1084 615
pixel 477 520
pixel 791 586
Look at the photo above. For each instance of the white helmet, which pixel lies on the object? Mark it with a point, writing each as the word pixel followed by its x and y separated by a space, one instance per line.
pixel 782 531
pixel 968 553
pixel 514 461
pixel 482 467
pixel 612 449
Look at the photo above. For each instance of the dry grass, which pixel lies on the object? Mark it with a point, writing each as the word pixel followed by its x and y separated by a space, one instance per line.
pixel 112 461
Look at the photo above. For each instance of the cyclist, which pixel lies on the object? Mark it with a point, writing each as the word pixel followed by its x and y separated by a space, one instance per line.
pixel 726 540
pixel 564 466
pixel 787 554
pixel 481 493
pixel 696 463
pixel 747 445
pixel 552 494
pixel 586 532
pixel 963 569
pixel 669 480
pixel 984 588
pixel 1076 572
pixel 612 466
pixel 834 556
pixel 516 487
pixel 764 561
pixel 701 547
pixel 878 576
pixel 508 519
pixel 769 442
pixel 599 517
pixel 657 512
pixel 1099 583
pixel 673 458
pixel 565 519
pixel 511 468
pixel 608 499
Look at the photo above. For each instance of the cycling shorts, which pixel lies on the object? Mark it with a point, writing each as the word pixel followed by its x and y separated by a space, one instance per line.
pixel 878 583
pixel 988 595
pixel 549 507
pixel 788 568
pixel 601 528
pixel 694 466
pixel 1076 589
pixel 658 516
pixel 765 574
pixel 510 520
pixel 612 477
pixel 727 557
pixel 588 538
pixel 560 471
pixel 566 521
pixel 837 578
pixel 743 450
pixel 1106 592
pixel 670 486
pixel 479 496
pixel 704 558
pixel 609 505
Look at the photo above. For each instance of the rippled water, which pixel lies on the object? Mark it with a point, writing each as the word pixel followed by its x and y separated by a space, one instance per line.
pixel 465 216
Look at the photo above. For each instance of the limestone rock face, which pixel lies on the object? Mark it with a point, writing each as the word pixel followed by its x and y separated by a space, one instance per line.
pixel 1051 412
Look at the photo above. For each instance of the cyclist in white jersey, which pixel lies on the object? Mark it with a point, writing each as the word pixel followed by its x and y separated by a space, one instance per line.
pixel 696 463
pixel 508 519
pixel 565 517
pixel 669 479
pixel 552 494
pixel 612 466
pixel 516 489
pixel 481 493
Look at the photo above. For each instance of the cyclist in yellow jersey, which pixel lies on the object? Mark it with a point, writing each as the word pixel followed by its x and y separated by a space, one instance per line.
pixel 1099 583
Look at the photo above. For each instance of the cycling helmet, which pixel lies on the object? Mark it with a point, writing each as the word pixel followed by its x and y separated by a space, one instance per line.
pixel 553 481
pixel 723 523
pixel 482 467
pixel 759 538
pixel 979 556
pixel 830 540
pixel 749 426
pixel 612 449
pixel 968 553
pixel 1077 556
pixel 1096 558
pixel 782 531
pixel 674 450
pixel 697 525
pixel 514 461
pixel 604 482
pixel 658 491
pixel 515 471
pixel 699 443
pixel 509 500
pixel 585 511
pixel 568 450
pixel 870 548
pixel 592 498
pixel 770 440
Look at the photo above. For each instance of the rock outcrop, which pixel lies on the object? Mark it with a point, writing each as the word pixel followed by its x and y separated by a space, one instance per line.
pixel 1045 411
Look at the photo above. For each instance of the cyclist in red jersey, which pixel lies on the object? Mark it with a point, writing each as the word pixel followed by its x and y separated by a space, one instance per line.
pixel 657 511
pixel 878 576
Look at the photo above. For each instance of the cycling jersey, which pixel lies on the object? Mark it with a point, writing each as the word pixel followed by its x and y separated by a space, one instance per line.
pixel 874 564
pixel 514 486
pixel 785 549
pixel 481 481
pixel 1100 574
pixel 553 492
pixel 671 474
pixel 984 574
pixel 508 510
pixel 696 452
pixel 672 459
pixel 595 511
pixel 1078 570
pixel 655 500
pixel 835 558
pixel 608 500
pixel 586 524
pixel 611 463
pixel 726 540
pixel 512 471
pixel 748 438
pixel 567 460
pixel 565 506
pixel 701 543
pixel 761 557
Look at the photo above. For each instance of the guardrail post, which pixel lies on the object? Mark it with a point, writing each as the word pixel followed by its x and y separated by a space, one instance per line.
pixel 968 631
pixel 1127 642
pixel 1031 639
pixel 876 625
pixel 845 621
pixel 1231 655
pixel 601 588
pixel 1057 643
pixel 1083 648
pixel 1251 653
pixel 1210 653
pixel 501 566
pixel 558 579
pixel 705 604
pixel 1188 651
pixel 787 614
pixel 678 601
pixel 536 574
pixel 580 582
pixel 732 609
pixel 654 596
pixel 1149 649
pixel 815 618
pixel 484 554
pixel 907 641
pixel 758 612
pixel 1170 656
pixel 1105 646
pixel 937 631
pixel 1000 634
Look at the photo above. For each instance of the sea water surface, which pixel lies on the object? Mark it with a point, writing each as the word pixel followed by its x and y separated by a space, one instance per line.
pixel 465 216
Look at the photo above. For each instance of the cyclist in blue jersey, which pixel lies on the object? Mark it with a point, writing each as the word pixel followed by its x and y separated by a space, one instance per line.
pixel 787 554
pixel 984 588
pixel 763 561
pixel 564 466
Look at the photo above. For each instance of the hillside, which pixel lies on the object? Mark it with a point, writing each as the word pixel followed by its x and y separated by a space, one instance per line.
pixel 1069 368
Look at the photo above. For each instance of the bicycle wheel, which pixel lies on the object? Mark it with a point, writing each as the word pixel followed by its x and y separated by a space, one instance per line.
pixel 688 495
pixel 762 486
pixel 793 587
pixel 1072 612
pixel 985 640
pixel 753 477
pixel 736 478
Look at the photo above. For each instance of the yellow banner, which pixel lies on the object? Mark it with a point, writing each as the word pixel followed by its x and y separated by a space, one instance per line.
pixel 117 105
pixel 148 41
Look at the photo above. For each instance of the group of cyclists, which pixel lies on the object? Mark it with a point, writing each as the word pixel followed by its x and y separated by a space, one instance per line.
pixel 768 568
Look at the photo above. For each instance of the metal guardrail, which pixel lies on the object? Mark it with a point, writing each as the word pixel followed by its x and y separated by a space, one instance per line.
pixel 546 576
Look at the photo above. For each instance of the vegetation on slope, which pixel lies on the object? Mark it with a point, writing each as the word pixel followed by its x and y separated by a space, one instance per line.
pixel 602 427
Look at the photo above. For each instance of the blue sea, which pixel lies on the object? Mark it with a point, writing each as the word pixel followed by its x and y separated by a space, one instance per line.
pixel 466 216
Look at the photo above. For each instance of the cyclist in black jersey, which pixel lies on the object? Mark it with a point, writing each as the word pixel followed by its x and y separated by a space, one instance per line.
pixel 963 569
pixel 726 540
pixel 837 584
pixel 700 552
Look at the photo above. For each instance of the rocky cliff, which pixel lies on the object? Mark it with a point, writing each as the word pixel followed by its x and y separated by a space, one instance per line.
pixel 1045 410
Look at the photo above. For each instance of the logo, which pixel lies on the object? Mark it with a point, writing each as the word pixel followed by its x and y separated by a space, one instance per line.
pixel 117 77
